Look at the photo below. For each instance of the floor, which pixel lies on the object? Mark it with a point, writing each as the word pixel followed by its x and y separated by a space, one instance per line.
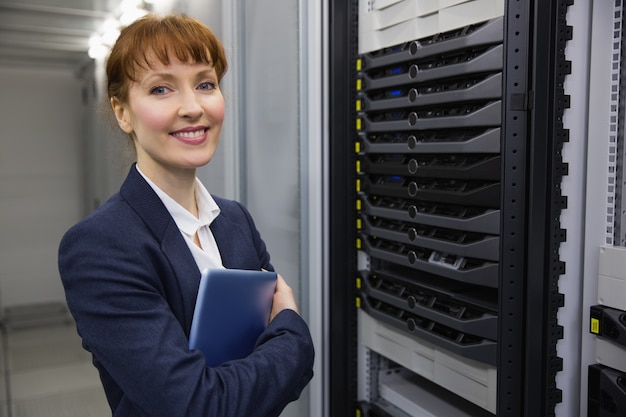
pixel 45 371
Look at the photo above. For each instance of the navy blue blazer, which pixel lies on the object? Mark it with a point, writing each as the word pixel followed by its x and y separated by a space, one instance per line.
pixel 131 284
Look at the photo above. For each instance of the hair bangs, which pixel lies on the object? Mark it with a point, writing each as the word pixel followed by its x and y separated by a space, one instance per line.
pixel 165 39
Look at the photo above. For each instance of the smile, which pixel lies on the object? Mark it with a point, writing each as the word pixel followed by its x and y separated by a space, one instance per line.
pixel 190 135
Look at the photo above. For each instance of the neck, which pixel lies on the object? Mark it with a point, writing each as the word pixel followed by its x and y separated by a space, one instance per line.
pixel 180 185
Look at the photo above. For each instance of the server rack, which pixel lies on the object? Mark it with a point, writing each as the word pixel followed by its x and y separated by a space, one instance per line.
pixel 444 182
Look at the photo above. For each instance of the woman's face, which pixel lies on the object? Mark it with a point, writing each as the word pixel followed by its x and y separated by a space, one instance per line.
pixel 174 114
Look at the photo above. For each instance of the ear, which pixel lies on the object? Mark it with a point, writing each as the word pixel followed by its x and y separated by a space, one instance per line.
pixel 122 115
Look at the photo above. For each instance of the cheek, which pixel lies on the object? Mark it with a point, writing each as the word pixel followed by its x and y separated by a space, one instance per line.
pixel 150 117
pixel 216 108
pixel 219 115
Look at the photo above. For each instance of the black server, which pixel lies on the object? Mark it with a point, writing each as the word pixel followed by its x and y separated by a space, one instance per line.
pixel 444 215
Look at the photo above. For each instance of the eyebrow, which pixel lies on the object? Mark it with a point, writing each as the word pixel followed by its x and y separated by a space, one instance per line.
pixel 207 73
pixel 169 76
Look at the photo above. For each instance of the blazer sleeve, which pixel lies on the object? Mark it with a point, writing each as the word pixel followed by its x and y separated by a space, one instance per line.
pixel 126 300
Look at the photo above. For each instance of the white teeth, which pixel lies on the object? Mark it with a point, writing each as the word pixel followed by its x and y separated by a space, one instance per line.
pixel 189 135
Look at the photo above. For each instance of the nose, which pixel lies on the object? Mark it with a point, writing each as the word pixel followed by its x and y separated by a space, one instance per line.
pixel 190 106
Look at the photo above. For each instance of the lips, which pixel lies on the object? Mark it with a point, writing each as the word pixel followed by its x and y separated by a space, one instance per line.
pixel 191 136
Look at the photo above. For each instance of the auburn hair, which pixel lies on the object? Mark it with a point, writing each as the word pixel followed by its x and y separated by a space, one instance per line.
pixel 161 38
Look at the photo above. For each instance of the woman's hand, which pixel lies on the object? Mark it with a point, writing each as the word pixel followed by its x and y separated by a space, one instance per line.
pixel 283 298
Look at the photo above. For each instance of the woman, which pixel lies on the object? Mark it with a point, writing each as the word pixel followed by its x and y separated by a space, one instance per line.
pixel 131 269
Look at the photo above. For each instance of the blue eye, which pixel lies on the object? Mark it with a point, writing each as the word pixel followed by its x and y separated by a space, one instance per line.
pixel 207 86
pixel 158 90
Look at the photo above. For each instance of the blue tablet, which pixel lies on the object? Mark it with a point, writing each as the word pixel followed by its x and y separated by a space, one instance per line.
pixel 232 310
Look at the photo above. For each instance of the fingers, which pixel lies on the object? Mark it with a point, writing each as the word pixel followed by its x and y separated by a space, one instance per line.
pixel 283 298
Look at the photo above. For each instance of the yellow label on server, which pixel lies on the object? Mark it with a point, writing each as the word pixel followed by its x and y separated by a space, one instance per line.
pixel 358 243
pixel 357 147
pixel 595 326
pixel 359 84
pixel 359 224
pixel 358 124
pixel 358 166
pixel 359 64
pixel 358 105
pixel 358 302
pixel 358 186
pixel 358 283
pixel 358 205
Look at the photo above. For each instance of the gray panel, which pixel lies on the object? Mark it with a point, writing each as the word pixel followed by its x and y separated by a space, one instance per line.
pixel 271 142
pixel 270 135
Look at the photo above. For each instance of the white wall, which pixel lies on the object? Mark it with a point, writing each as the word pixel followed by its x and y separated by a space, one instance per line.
pixel 40 179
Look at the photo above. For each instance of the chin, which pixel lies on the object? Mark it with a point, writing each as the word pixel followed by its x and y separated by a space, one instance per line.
pixel 198 163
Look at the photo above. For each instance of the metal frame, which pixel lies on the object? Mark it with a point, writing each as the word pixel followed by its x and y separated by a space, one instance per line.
pixel 511 317
pixel 313 189
pixel 616 218
pixel 342 197
pixel 548 70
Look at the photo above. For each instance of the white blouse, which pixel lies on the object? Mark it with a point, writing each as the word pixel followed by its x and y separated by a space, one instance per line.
pixel 209 255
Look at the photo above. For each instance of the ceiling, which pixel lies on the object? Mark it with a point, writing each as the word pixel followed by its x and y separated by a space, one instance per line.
pixel 50 32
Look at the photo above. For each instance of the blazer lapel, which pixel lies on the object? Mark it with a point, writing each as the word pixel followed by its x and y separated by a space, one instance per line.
pixel 222 230
pixel 142 198
pixel 185 269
